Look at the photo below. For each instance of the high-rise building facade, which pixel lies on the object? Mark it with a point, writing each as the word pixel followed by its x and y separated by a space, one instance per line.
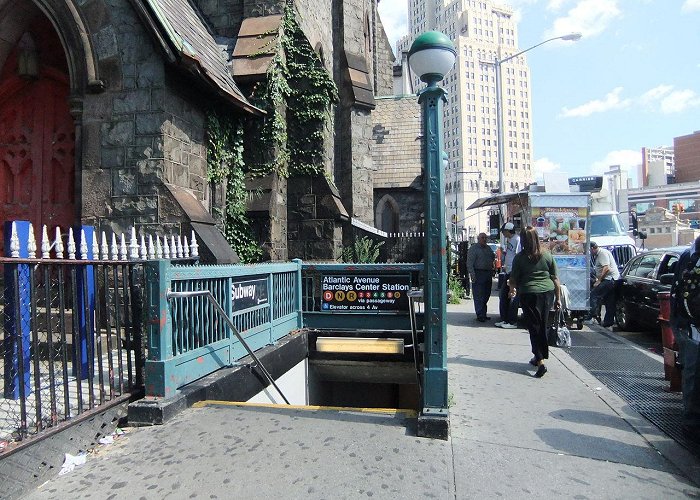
pixel 658 166
pixel 482 33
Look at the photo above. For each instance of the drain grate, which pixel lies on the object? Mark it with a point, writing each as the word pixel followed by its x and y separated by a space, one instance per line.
pixel 672 424
pixel 643 391
pixel 621 359
pixel 636 378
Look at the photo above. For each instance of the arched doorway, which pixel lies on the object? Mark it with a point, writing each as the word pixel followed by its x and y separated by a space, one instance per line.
pixel 37 131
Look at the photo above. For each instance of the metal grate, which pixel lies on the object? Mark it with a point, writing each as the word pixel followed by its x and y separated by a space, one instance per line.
pixel 618 359
pixel 636 378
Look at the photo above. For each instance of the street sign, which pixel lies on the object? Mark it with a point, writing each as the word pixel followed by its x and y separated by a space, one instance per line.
pixel 348 293
pixel 248 293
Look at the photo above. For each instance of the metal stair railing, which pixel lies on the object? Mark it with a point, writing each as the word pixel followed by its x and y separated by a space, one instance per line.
pixel 222 313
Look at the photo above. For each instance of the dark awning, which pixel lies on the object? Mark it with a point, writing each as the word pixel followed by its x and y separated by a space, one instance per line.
pixel 497 199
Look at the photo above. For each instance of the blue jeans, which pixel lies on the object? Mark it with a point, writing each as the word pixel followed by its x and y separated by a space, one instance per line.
pixel 507 307
pixel 481 291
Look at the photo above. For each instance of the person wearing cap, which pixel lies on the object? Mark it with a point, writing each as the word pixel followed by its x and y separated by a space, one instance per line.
pixel 508 307
pixel 480 260
pixel 603 288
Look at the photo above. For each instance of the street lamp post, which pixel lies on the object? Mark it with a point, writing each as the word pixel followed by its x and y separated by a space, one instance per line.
pixel 431 56
pixel 499 108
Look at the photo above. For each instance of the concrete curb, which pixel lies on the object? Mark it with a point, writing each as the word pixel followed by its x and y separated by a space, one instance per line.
pixel 686 463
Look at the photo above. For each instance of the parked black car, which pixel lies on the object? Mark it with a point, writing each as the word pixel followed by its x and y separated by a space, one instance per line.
pixel 638 288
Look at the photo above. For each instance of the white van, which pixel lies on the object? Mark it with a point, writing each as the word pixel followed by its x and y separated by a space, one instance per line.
pixel 608 230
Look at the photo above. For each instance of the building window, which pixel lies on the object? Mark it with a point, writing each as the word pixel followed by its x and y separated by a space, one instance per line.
pixel 387 214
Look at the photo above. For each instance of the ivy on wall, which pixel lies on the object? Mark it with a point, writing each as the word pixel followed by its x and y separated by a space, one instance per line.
pixel 225 166
pixel 297 95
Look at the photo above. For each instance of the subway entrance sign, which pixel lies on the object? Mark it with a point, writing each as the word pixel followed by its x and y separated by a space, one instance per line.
pixel 349 293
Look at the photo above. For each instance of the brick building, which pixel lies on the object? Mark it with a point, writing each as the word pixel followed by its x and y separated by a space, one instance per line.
pixel 103 107
pixel 687 157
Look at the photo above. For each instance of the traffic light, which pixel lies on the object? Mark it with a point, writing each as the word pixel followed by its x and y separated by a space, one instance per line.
pixel 678 208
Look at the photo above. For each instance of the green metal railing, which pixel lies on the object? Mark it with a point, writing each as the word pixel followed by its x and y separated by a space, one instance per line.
pixel 187 337
pixel 190 308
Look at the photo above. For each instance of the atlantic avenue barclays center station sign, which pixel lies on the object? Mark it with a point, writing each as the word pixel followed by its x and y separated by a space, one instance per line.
pixel 365 293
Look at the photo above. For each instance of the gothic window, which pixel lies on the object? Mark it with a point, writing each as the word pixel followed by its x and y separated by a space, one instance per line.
pixel 387 214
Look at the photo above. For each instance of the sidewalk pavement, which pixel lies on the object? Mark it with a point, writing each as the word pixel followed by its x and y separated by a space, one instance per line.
pixel 512 436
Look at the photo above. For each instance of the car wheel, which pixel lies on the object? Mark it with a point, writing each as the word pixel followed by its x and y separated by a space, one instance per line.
pixel 623 317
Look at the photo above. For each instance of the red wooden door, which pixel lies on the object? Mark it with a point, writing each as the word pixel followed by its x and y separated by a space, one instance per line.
pixel 37 144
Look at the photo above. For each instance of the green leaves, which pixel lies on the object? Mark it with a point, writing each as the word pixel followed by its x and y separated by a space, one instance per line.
pixel 456 289
pixel 362 251
pixel 297 95
pixel 225 165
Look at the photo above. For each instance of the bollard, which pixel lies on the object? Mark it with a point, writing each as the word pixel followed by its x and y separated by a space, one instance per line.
pixel 672 372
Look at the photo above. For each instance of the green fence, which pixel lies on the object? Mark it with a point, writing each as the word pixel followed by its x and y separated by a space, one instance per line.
pixel 187 339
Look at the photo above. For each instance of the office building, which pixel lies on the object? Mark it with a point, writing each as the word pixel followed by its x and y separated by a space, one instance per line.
pixel 658 166
pixel 482 32
pixel 687 150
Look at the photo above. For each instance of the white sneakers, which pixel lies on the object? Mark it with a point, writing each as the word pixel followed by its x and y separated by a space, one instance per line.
pixel 505 324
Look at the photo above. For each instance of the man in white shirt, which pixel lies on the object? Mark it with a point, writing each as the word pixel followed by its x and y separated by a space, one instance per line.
pixel 508 307
pixel 603 289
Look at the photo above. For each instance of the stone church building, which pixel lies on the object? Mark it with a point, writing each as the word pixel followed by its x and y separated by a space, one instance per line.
pixel 103 116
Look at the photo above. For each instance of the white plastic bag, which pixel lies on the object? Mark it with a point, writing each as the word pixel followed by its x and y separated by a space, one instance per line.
pixel 563 336
pixel 559 334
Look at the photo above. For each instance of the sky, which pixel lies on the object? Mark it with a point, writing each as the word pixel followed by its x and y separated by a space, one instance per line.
pixel 631 81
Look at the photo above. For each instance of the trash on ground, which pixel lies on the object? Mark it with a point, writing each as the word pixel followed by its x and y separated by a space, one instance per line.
pixel 106 440
pixel 71 462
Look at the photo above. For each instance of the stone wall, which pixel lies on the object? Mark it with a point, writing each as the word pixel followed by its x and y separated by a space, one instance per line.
pixel 353 161
pixel 397 151
pixel 314 214
pixel 396 142
pixel 184 147
pixel 145 128
pixel 384 57
pixel 224 16
pixel 123 143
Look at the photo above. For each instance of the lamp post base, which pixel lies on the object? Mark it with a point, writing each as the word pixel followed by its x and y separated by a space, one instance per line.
pixel 433 424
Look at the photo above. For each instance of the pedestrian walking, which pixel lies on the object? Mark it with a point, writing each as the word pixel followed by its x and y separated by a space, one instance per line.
pixel 508 307
pixel 480 262
pixel 534 279
pixel 603 288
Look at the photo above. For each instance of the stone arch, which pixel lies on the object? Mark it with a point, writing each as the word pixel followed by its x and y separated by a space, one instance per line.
pixel 69 23
pixel 387 214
